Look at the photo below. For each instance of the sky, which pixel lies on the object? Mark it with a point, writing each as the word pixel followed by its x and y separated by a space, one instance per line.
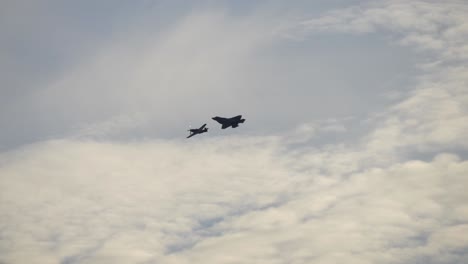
pixel 354 147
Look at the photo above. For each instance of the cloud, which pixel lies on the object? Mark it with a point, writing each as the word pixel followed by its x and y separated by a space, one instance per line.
pixel 243 199
pixel 434 114
pixel 226 200
pixel 425 25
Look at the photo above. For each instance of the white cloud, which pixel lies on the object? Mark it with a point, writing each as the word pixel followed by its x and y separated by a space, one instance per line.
pixel 225 200
pixel 434 113
pixel 248 199
pixel 426 25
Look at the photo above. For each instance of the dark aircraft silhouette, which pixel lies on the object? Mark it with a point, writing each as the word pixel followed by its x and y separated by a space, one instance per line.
pixel 196 131
pixel 229 122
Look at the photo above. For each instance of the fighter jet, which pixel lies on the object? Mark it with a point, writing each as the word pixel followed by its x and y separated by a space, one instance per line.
pixel 196 131
pixel 229 122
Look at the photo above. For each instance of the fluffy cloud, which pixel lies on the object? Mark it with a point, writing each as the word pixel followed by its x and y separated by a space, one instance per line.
pixel 434 113
pixel 226 200
pixel 428 25
pixel 248 199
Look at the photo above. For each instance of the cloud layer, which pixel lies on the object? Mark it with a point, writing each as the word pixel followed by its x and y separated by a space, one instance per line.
pixel 228 200
pixel 394 195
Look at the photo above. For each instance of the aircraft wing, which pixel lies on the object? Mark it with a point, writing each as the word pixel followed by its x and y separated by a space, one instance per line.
pixel 220 120
pixel 191 135
pixel 202 127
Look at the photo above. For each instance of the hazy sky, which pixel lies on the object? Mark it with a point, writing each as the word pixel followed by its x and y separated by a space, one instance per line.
pixel 354 150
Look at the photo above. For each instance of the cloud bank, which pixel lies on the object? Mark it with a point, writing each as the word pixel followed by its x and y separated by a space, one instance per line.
pixel 226 201
pixel 394 195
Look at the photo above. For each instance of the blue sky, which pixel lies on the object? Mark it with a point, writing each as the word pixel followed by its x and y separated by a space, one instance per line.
pixel 354 146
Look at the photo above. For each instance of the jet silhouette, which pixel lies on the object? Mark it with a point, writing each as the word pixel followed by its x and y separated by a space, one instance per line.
pixel 229 122
pixel 196 131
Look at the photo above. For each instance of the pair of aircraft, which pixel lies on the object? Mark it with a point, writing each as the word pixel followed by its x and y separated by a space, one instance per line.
pixel 225 123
